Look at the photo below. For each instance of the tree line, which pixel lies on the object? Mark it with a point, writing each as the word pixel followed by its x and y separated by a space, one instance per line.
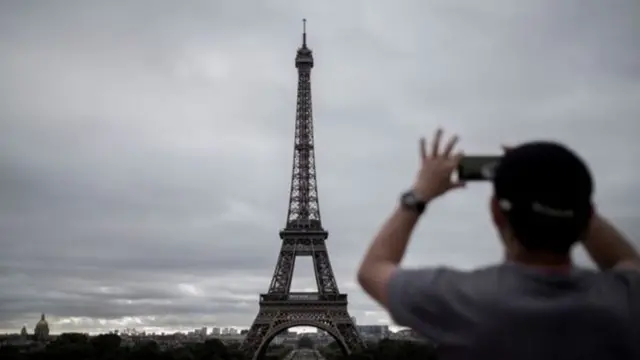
pixel 74 346
pixel 385 349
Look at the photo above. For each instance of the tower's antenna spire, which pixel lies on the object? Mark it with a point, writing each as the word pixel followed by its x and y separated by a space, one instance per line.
pixel 304 32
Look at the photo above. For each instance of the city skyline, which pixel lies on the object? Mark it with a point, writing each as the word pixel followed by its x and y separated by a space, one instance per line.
pixel 145 150
pixel 212 330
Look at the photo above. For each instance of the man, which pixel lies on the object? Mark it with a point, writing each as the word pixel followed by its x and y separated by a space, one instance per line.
pixel 535 305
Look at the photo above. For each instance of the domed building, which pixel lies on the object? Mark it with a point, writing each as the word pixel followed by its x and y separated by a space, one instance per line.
pixel 23 332
pixel 41 332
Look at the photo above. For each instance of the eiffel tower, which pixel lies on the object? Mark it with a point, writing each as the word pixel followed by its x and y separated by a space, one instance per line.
pixel 303 235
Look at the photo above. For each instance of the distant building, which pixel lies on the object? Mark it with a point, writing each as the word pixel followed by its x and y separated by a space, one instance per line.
pixel 23 332
pixel 373 331
pixel 41 331
pixel 408 333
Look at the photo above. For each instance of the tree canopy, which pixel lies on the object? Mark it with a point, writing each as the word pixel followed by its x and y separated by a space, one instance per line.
pixel 74 346
pixel 305 342
pixel 384 350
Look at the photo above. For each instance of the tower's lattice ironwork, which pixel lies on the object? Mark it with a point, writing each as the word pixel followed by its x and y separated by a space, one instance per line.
pixel 303 235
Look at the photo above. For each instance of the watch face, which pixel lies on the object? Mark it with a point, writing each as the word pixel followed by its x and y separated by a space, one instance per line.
pixel 411 202
pixel 409 199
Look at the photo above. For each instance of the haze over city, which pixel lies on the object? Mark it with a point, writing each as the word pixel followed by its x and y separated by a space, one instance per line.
pixel 145 147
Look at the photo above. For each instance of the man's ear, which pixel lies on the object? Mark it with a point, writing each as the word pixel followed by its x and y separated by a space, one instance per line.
pixel 499 220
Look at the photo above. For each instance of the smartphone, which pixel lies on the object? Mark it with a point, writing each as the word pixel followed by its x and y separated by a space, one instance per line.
pixel 477 168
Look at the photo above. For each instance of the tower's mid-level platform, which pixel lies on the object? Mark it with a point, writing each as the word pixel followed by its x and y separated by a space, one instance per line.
pixel 301 298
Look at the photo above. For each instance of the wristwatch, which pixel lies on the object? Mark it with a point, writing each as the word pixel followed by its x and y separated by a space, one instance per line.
pixel 412 202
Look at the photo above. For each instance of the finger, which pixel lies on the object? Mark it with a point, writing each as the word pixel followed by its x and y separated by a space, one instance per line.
pixel 457 185
pixel 450 145
pixel 455 159
pixel 453 165
pixel 435 148
pixel 423 148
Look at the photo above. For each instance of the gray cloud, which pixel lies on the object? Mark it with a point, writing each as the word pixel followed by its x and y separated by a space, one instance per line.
pixel 145 147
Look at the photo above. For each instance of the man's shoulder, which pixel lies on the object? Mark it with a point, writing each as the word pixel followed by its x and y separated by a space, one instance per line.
pixel 487 271
pixel 499 278
pixel 450 281
pixel 627 276
pixel 507 274
pixel 448 273
pixel 450 270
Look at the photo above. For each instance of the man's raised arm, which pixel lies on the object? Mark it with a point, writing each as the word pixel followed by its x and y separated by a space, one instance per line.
pixel 387 250
pixel 608 247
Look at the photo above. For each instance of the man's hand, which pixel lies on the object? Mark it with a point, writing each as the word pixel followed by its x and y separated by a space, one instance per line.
pixel 437 166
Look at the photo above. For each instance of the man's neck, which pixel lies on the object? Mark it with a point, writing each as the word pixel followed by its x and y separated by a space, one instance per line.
pixel 544 261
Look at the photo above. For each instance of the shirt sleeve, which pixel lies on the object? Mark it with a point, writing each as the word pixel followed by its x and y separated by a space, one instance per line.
pixel 426 300
pixel 630 277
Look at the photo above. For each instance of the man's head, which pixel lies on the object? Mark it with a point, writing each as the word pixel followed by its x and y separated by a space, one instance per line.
pixel 542 198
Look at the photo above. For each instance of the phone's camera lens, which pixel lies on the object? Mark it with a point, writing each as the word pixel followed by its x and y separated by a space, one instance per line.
pixel 489 170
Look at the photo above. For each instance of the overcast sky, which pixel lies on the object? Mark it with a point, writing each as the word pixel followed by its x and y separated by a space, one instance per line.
pixel 146 146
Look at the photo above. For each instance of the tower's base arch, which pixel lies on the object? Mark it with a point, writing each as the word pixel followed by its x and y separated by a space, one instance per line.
pixel 273 320
pixel 271 334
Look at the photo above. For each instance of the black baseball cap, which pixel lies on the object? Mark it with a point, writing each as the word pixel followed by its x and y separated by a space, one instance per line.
pixel 545 190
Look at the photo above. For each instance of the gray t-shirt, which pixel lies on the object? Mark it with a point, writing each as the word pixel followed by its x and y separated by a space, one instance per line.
pixel 512 311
